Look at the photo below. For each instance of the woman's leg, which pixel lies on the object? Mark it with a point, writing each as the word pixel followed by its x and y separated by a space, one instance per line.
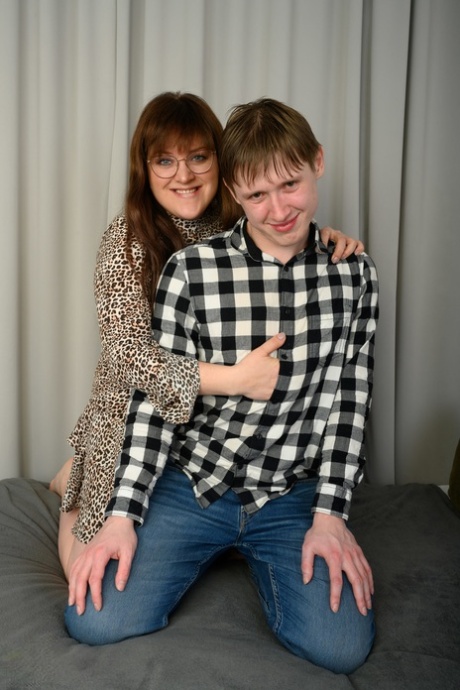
pixel 59 482
pixel 68 545
pixel 300 615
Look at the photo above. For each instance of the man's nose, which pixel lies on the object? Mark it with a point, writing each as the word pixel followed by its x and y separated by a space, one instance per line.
pixel 278 208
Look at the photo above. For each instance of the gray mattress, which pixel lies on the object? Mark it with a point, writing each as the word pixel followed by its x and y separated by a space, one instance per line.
pixel 218 639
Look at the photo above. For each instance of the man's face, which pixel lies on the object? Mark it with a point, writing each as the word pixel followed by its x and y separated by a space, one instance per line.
pixel 280 206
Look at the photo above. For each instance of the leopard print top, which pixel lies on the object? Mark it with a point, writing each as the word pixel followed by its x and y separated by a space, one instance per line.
pixel 129 358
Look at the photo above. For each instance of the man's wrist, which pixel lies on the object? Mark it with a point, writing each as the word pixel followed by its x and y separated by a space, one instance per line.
pixel 123 522
pixel 323 519
pixel 114 517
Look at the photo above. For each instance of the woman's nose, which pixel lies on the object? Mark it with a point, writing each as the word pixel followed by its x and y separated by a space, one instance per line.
pixel 183 171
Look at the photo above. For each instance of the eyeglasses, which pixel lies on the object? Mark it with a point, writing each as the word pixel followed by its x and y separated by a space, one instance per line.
pixel 198 163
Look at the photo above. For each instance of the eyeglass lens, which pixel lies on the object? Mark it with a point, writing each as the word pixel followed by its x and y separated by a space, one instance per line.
pixel 198 162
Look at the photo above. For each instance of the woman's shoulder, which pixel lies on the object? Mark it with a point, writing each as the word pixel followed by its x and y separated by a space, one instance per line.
pixel 113 259
pixel 115 240
pixel 116 232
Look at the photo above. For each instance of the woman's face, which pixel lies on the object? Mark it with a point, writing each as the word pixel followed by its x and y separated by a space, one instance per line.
pixel 186 194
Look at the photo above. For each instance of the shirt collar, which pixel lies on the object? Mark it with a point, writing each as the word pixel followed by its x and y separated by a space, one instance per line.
pixel 241 240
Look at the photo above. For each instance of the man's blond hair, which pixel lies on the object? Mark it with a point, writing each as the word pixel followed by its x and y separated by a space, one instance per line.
pixel 263 133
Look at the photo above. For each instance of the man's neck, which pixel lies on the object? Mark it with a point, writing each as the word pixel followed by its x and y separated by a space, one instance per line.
pixel 282 254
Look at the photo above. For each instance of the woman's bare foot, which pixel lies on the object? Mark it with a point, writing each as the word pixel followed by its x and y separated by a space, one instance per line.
pixel 59 482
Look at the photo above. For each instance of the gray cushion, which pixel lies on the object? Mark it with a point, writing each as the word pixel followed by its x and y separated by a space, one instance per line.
pixel 218 638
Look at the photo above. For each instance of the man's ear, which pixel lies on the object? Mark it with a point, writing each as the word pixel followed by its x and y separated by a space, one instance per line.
pixel 231 192
pixel 319 163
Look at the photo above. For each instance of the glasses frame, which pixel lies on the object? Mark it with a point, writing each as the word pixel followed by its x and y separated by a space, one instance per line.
pixel 179 160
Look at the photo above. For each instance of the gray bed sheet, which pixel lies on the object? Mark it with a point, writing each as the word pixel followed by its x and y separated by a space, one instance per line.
pixel 218 639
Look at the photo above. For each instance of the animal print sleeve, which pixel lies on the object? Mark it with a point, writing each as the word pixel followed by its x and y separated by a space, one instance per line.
pixel 131 355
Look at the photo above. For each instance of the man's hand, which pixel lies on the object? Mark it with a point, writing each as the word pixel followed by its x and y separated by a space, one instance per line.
pixel 116 540
pixel 330 538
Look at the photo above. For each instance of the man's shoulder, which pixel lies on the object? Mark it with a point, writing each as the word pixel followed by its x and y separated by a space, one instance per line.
pixel 366 263
pixel 355 262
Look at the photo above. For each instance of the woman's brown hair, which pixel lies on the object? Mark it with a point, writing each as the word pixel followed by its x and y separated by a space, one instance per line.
pixel 170 114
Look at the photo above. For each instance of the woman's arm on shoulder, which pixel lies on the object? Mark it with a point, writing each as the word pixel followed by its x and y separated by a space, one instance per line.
pixel 345 246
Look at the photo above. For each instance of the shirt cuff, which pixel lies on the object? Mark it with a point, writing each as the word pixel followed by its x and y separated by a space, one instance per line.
pixel 332 499
pixel 120 506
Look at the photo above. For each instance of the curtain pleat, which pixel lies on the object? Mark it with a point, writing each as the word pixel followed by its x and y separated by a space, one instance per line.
pixel 427 374
pixel 376 79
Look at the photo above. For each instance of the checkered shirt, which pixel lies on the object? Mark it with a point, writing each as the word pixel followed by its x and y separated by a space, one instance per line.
pixel 217 301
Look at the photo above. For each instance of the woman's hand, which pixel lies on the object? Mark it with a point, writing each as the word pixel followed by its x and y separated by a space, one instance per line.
pixel 255 376
pixel 344 246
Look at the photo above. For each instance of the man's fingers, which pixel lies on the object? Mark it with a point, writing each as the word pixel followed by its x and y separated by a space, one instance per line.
pixel 123 571
pixel 79 588
pixel 336 582
pixel 87 572
pixel 359 575
pixel 368 582
pixel 307 571
pixel 95 586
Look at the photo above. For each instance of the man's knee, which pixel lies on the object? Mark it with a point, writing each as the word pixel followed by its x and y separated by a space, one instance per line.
pixel 93 627
pixel 111 624
pixel 337 648
pixel 338 641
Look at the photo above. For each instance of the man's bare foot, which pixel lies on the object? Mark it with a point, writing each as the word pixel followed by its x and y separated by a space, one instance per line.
pixel 59 482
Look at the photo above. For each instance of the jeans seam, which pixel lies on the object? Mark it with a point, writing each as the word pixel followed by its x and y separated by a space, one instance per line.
pixel 276 599
pixel 190 582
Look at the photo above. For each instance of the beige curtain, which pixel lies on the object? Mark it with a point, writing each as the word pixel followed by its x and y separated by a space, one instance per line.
pixel 378 82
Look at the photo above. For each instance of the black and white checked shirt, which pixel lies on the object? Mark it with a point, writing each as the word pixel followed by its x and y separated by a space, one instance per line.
pixel 217 301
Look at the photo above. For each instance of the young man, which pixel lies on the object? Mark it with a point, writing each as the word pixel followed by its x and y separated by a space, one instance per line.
pixel 271 479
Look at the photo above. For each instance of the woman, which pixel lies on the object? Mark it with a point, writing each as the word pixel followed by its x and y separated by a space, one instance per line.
pixel 175 197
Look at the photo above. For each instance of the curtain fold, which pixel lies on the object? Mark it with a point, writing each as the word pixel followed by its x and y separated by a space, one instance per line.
pixel 428 312
pixel 11 463
pixel 383 107
pixel 376 79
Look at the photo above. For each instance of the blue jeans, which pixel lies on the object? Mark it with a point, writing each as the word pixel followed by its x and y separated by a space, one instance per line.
pixel 178 542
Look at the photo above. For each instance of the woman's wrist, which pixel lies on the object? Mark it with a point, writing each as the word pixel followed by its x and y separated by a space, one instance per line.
pixel 218 379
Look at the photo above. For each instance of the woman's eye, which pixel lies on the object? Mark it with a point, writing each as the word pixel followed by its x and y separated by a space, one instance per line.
pixel 200 157
pixel 164 162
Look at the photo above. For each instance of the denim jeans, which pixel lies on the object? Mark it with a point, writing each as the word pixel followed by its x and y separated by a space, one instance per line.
pixel 178 542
